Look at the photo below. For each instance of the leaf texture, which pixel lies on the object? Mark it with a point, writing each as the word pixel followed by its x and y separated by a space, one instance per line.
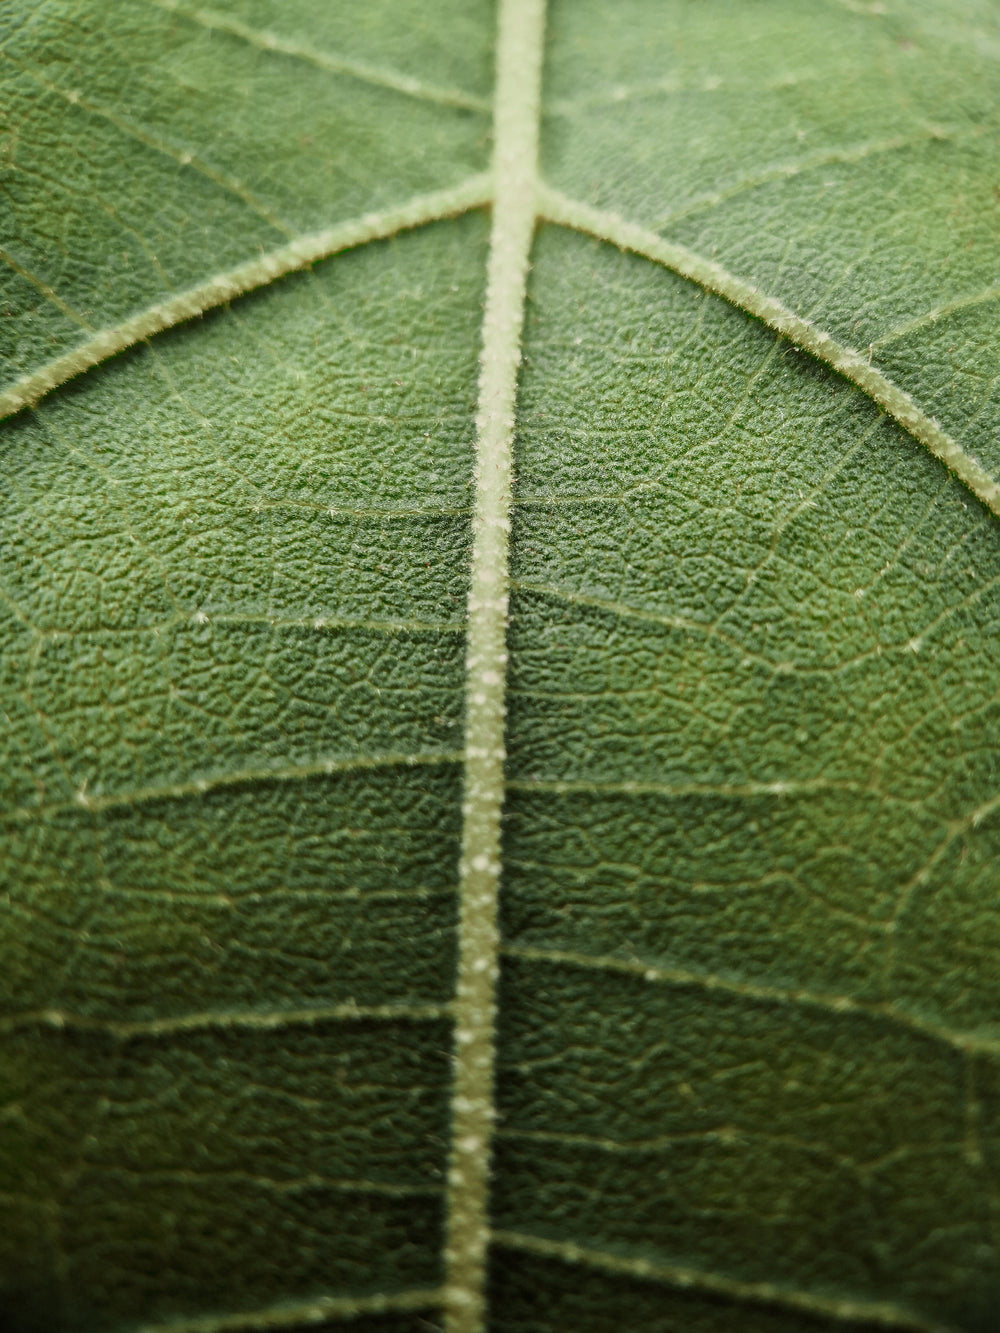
pixel 294 1032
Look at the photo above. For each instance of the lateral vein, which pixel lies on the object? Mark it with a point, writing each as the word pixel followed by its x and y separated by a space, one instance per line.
pixel 98 802
pixel 694 1279
pixel 969 1043
pixel 362 70
pixel 262 1020
pixel 555 207
pixel 473 192
pixel 304 1315
pixel 516 120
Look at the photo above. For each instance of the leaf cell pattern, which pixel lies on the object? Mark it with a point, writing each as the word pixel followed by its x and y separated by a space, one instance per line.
pixel 500 607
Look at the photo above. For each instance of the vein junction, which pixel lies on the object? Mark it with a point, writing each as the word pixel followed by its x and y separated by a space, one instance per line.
pixel 519 201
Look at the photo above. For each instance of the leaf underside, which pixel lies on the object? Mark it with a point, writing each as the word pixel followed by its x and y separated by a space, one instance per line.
pixel 747 1048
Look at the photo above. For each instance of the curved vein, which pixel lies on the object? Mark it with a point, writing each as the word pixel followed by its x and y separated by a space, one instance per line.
pixel 378 76
pixel 808 162
pixel 969 1043
pixel 304 1315
pixel 939 312
pixel 558 208
pixel 700 1280
pixel 475 192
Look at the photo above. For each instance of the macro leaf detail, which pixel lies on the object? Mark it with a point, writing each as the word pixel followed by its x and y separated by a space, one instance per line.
pixel 499 589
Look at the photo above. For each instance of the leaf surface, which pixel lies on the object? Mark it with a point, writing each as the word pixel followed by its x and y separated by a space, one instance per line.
pixel 744 1064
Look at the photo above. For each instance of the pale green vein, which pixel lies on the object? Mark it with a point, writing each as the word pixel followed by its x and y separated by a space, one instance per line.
pixel 624 611
pixel 181 156
pixel 726 1135
pixel 699 1280
pixel 50 294
pixel 853 365
pixel 97 802
pixel 472 193
pixel 782 171
pixel 621 94
pixel 678 790
pixel 969 1043
pixel 295 1185
pixel 261 1020
pixel 304 1314
pixel 939 312
pixel 194 619
pixel 362 70
pixel 517 110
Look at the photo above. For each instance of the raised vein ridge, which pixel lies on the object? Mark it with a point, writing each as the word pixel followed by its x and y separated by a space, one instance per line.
pixel 298 254
pixel 553 206
pixel 516 121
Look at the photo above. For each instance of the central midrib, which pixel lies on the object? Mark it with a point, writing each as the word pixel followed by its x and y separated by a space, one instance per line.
pixel 516 126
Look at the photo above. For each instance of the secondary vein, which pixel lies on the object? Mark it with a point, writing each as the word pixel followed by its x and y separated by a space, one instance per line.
pixel 853 365
pixel 771 1294
pixel 377 76
pixel 304 1315
pixel 298 254
pixel 516 121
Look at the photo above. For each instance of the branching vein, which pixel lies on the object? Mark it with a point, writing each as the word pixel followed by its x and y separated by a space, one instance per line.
pixel 970 1043
pixel 853 365
pixel 378 75
pixel 693 1279
pixel 298 254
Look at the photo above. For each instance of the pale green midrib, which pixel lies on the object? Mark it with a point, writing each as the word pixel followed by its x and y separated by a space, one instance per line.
pixel 561 210
pixel 474 192
pixel 376 75
pixel 306 1314
pixel 242 777
pixel 699 1280
pixel 517 115
pixel 213 1020
pixel 843 1006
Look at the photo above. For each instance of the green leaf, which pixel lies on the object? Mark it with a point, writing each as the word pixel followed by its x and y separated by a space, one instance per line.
pixel 407 925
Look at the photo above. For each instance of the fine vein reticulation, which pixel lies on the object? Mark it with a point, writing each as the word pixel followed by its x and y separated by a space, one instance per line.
pixel 517 115
pixel 519 201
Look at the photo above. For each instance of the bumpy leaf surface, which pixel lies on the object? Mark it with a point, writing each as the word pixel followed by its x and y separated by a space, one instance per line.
pixel 747 1045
